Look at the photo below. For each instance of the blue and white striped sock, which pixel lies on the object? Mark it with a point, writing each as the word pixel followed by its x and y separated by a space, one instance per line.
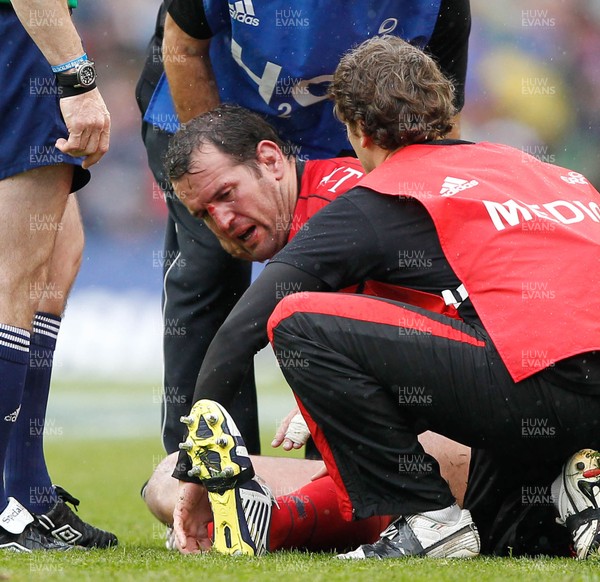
pixel 25 472
pixel 14 359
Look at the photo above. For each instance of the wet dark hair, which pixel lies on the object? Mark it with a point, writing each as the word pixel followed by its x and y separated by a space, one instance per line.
pixel 233 130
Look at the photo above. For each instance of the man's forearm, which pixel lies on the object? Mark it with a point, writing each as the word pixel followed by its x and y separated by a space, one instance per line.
pixel 49 24
pixel 244 332
pixel 241 336
pixel 188 69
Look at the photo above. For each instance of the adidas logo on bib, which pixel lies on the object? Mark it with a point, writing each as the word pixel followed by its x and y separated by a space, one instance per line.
pixel 452 186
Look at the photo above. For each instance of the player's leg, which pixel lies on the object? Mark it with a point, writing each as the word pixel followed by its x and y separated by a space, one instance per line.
pixel 305 515
pixel 284 476
pixel 26 474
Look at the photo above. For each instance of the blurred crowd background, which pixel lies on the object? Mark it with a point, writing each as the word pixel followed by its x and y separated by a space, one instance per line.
pixel 533 83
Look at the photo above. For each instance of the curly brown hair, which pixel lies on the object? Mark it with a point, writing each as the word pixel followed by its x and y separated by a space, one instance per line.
pixel 393 92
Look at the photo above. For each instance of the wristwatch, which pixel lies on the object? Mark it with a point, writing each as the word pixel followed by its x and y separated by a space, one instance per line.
pixel 83 77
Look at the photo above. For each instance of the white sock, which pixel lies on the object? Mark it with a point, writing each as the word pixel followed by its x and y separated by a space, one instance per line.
pixel 449 515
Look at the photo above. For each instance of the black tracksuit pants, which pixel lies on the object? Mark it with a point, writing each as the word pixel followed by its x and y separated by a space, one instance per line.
pixel 371 374
pixel 201 285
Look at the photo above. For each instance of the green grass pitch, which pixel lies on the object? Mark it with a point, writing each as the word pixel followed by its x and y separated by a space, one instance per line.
pixel 106 473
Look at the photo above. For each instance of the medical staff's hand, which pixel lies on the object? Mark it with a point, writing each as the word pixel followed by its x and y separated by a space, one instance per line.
pixel 292 432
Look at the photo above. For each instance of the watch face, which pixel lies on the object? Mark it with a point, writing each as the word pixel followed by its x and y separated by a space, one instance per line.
pixel 87 75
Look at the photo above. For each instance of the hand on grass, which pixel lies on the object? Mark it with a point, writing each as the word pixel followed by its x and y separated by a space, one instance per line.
pixel 191 516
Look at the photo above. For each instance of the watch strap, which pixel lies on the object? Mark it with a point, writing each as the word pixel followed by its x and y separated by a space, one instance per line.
pixel 69 91
pixel 68 80
pixel 70 83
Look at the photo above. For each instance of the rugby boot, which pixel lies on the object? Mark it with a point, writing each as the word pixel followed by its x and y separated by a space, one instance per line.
pixel 21 532
pixel 241 505
pixel 62 523
pixel 419 535
pixel 576 494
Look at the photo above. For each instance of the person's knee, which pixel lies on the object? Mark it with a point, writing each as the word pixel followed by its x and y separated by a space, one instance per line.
pixel 282 319
pixel 160 493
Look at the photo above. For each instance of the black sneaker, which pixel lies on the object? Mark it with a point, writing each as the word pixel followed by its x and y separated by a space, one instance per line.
pixel 31 535
pixel 62 523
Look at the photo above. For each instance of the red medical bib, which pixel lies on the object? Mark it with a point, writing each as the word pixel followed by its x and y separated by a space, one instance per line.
pixel 523 237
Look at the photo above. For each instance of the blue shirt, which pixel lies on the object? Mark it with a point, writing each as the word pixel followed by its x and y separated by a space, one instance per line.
pixel 278 60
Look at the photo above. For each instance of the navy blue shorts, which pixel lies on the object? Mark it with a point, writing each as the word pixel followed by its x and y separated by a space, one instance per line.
pixel 30 116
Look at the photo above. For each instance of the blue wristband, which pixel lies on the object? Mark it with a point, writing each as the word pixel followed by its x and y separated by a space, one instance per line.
pixel 70 64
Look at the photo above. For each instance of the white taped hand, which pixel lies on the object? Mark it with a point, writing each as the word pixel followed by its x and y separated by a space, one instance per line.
pixel 297 430
pixel 292 432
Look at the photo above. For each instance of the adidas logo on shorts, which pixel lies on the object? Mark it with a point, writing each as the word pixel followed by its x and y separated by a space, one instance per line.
pixel 243 11
pixel 12 417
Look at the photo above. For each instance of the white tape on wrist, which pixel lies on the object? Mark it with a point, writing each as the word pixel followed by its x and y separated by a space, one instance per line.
pixel 297 430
